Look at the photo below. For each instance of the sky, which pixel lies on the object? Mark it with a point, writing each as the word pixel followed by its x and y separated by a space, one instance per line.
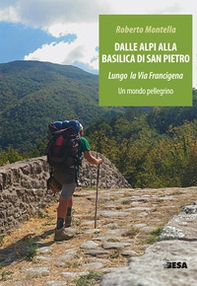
pixel 66 31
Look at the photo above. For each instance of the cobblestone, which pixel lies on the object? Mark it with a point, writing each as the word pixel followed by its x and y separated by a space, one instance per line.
pixel 123 232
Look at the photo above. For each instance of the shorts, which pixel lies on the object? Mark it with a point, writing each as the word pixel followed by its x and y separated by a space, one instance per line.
pixel 64 175
pixel 68 190
pixel 67 178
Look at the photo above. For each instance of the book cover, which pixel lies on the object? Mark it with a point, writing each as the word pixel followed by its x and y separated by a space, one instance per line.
pixel 145 55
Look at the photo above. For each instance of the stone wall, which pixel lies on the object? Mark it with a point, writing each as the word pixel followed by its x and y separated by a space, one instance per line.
pixel 109 176
pixel 24 194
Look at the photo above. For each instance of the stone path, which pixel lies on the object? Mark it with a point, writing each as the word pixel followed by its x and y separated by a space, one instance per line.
pixel 128 222
pixel 172 260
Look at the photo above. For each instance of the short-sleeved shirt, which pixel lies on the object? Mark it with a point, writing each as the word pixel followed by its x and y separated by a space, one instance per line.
pixel 83 146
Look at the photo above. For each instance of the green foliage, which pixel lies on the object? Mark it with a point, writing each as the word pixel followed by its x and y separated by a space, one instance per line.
pixel 154 148
pixel 162 118
pixel 144 155
pixel 33 94
pixel 9 156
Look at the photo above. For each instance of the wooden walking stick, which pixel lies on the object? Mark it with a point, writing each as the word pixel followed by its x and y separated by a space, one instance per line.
pixel 96 201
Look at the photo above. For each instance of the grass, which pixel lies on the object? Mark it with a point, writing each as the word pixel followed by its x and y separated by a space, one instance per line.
pixel 154 235
pixel 43 215
pixel 1 240
pixel 126 202
pixel 32 249
pixel 113 240
pixel 76 222
pixel 89 280
pixel 5 274
pixel 132 232
pixel 156 231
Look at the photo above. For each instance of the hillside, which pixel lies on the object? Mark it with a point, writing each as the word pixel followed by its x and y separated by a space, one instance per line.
pixel 153 147
pixel 32 94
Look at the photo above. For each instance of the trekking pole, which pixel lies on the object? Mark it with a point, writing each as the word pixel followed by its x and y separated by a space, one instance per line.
pixel 96 201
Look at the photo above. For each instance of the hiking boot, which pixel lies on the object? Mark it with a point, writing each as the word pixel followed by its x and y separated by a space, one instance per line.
pixel 61 234
pixel 68 221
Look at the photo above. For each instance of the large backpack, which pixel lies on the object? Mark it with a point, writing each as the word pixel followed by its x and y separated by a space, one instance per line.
pixel 62 149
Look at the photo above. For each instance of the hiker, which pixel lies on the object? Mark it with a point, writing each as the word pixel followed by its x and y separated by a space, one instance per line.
pixel 68 180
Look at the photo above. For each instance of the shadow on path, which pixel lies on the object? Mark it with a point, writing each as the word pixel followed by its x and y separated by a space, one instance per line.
pixel 24 249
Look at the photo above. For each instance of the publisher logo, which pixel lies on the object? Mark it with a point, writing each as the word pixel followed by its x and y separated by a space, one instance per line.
pixel 174 264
